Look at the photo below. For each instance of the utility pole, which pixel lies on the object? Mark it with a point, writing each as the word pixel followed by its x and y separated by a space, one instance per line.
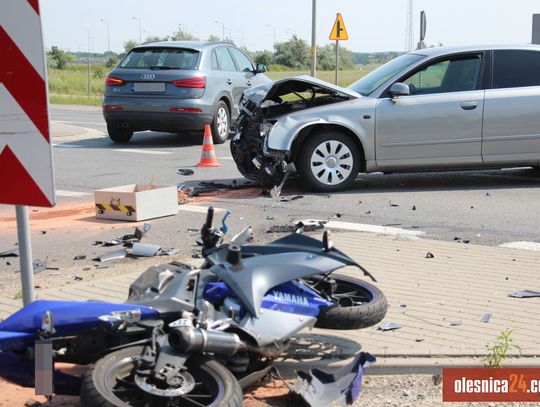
pixel 140 29
pixel 409 32
pixel 108 34
pixel 274 29
pixel 314 38
pixel 222 30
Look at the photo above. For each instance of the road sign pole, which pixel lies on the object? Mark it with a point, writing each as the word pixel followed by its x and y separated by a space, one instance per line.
pixel 314 38
pixel 25 253
pixel 337 60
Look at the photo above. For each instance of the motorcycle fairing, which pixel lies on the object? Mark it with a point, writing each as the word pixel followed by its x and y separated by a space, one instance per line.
pixel 253 277
pixel 20 329
pixel 295 242
pixel 342 387
pixel 293 297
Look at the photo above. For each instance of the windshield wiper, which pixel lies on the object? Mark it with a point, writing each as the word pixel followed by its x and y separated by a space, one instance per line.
pixel 164 67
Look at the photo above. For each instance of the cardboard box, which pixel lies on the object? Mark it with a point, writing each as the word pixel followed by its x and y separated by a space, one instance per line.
pixel 136 202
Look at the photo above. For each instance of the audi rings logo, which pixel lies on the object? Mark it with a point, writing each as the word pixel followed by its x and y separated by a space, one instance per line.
pixel 148 76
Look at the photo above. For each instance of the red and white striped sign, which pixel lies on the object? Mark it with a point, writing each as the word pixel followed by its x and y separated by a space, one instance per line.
pixel 26 174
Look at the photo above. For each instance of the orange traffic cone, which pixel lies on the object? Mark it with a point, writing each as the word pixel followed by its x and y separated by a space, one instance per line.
pixel 208 157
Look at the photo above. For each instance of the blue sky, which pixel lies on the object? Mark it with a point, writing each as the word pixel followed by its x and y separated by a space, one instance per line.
pixel 373 25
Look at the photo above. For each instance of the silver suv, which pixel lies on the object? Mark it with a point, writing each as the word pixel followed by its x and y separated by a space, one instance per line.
pixel 176 86
pixel 429 110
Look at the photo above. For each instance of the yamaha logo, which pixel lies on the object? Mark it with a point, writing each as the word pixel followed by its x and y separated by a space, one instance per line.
pixel 148 76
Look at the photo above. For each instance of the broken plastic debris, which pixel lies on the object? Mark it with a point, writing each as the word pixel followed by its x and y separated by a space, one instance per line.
pixel 185 171
pixel 389 326
pixel 524 294
pixel 456 322
pixel 79 257
pixel 460 240
pixel 113 254
pixel 429 255
pixel 13 252
pixel 39 266
pixel 320 388
pixel 144 249
pixel 486 317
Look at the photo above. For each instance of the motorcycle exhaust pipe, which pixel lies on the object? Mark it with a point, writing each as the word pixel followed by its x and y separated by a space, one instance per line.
pixel 188 339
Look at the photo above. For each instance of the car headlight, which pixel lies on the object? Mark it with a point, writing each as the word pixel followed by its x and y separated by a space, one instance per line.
pixel 266 128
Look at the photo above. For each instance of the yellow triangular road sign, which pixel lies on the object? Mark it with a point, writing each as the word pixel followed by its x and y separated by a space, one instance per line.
pixel 339 32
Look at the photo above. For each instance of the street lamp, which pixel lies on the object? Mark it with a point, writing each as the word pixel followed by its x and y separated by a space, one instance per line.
pixel 140 28
pixel 274 29
pixel 222 29
pixel 108 34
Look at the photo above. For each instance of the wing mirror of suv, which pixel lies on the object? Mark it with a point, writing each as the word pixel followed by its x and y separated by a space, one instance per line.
pixel 399 89
pixel 261 68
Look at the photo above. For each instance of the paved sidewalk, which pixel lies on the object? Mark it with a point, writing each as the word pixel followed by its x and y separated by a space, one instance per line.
pixel 461 282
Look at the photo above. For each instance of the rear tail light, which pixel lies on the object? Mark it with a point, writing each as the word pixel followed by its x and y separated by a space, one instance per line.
pixel 112 81
pixel 185 109
pixel 197 82
pixel 112 107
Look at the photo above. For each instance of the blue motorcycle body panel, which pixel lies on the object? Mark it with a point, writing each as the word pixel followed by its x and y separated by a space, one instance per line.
pixel 292 297
pixel 20 330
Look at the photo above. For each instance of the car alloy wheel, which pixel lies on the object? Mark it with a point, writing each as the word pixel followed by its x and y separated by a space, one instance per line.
pixel 222 119
pixel 331 162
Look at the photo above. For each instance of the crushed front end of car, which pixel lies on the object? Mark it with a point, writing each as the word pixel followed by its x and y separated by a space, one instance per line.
pixel 261 108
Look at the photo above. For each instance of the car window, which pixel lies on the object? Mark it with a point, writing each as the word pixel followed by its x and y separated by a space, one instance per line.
pixel 243 62
pixel 215 65
pixel 377 77
pixel 160 58
pixel 225 60
pixel 513 69
pixel 451 75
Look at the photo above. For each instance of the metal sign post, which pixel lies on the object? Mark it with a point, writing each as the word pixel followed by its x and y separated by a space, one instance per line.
pixel 314 38
pixel 25 253
pixel 339 32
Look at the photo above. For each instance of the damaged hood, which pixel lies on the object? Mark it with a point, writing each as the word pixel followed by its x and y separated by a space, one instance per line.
pixel 274 90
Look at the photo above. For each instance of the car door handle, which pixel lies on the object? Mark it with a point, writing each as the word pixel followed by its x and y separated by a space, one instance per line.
pixel 469 105
pixel 229 81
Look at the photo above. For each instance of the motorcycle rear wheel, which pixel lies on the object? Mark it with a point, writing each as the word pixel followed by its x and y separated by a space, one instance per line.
pixel 359 304
pixel 110 382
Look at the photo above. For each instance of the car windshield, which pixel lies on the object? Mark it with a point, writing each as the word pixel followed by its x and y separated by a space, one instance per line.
pixel 376 78
pixel 160 58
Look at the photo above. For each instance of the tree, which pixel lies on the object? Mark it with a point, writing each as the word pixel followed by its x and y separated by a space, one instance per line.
pixel 154 38
pixel 129 44
pixel 111 61
pixel 264 57
pixel 58 58
pixel 293 53
pixel 213 38
pixel 181 35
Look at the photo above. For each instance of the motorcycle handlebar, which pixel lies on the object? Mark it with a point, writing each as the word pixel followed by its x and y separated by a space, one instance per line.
pixel 209 218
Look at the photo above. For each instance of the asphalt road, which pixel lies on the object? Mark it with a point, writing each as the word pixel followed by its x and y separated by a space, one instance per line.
pixel 486 207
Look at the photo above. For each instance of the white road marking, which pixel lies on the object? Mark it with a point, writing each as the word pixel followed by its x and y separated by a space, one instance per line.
pixel 67 145
pixel 198 208
pixel 131 150
pixel 362 227
pixel 79 122
pixel 522 245
pixel 71 194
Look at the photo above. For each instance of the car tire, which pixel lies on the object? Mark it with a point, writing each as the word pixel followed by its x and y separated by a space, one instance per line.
pixel 119 135
pixel 221 123
pixel 328 160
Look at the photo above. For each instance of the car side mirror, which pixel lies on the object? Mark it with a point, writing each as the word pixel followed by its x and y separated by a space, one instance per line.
pixel 261 68
pixel 399 89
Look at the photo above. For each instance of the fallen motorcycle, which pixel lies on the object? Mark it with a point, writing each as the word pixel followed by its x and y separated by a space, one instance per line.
pixel 191 336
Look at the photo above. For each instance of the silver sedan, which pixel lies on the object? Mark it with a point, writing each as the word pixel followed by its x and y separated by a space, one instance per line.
pixel 428 110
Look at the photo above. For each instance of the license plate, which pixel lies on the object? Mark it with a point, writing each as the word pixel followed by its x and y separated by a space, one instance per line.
pixel 148 87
